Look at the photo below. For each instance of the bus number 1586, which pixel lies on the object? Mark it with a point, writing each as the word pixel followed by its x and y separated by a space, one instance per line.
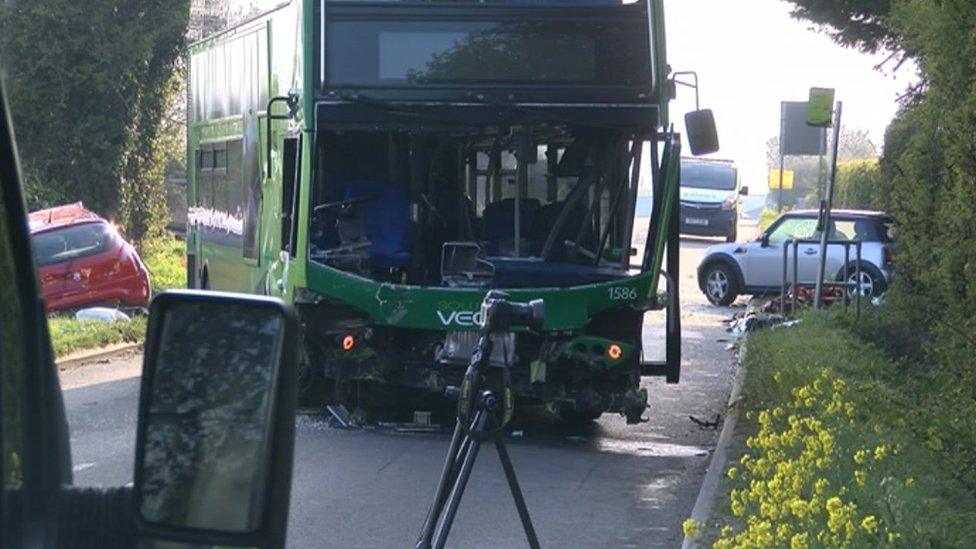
pixel 622 293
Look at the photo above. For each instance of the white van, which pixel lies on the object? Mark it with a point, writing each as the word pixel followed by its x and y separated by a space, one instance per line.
pixel 710 197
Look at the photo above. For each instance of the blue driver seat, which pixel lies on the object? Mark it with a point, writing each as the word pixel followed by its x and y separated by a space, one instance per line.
pixel 386 220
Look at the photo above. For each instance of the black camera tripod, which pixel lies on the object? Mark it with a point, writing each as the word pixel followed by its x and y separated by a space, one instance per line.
pixel 469 433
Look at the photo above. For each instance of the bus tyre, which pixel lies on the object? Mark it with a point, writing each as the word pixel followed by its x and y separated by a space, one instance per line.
pixel 720 285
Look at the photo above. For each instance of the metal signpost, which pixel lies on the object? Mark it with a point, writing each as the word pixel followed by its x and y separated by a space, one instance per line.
pixel 819 113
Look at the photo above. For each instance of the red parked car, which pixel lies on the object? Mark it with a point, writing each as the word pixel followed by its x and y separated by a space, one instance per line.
pixel 83 261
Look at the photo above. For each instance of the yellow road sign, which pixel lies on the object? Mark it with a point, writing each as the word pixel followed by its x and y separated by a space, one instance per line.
pixel 787 179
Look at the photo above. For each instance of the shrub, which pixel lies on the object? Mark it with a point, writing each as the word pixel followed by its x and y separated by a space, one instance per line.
pixel 858 185
pixel 832 458
pixel 165 257
pixel 766 218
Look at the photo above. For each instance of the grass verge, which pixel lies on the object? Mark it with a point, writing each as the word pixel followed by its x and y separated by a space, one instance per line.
pixel 69 335
pixel 826 456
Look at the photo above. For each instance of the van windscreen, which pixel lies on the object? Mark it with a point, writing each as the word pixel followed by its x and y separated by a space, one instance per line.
pixel 708 176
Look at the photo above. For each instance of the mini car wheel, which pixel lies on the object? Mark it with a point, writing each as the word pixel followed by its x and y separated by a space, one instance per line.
pixel 871 283
pixel 720 284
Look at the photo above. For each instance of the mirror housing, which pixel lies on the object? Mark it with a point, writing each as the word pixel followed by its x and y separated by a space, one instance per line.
pixel 764 240
pixel 744 191
pixel 215 437
pixel 702 134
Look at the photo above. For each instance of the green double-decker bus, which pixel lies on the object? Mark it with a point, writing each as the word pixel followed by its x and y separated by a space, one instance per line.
pixel 384 164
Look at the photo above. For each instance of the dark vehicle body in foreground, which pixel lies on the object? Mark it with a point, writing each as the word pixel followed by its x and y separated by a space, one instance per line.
pixel 214 452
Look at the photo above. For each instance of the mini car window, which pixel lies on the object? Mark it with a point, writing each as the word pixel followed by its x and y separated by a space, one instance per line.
pixel 846 230
pixel 794 228
pixel 70 243
pixel 864 230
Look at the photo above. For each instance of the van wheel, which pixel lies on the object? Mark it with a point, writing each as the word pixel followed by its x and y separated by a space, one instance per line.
pixel 720 284
pixel 734 233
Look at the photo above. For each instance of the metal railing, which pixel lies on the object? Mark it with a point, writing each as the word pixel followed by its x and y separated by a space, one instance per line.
pixel 795 284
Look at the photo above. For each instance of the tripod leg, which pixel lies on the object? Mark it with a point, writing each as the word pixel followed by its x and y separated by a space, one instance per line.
pixel 467 464
pixel 448 478
pixel 513 485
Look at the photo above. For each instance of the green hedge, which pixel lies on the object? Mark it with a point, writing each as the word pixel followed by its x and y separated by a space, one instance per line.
pixel 840 450
pixel 858 185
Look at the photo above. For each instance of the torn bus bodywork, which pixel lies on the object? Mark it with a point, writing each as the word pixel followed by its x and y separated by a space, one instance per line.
pixel 401 273
pixel 411 157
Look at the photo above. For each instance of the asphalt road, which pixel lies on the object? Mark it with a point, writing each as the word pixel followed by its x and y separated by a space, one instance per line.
pixel 603 485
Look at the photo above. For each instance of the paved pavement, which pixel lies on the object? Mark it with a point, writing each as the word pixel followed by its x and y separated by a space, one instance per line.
pixel 605 485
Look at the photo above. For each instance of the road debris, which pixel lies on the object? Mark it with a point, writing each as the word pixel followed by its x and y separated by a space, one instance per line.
pixel 340 416
pixel 752 321
pixel 705 424
pixel 102 314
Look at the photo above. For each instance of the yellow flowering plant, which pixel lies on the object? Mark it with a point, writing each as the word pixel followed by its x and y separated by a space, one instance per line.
pixel 826 460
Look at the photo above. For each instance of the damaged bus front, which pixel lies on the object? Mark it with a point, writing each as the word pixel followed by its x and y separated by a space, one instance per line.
pixel 435 151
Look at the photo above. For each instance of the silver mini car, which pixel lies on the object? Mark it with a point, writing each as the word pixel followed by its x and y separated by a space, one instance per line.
pixel 727 271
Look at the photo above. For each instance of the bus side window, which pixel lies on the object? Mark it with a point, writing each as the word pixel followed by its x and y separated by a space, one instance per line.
pixel 204 177
pixel 290 178
pixel 222 181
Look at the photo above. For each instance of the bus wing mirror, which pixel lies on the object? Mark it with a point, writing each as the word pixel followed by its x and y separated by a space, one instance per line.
pixel 744 191
pixel 215 436
pixel 702 135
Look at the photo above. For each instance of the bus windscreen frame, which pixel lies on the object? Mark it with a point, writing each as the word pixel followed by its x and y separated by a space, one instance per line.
pixel 369 47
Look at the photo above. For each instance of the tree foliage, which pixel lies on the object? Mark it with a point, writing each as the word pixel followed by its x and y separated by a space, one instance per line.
pixel 89 84
pixel 864 24
pixel 808 174
pixel 928 176
pixel 858 185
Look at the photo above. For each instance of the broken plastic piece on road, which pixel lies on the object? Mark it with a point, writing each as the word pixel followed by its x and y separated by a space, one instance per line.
pixel 752 321
pixel 705 424
pixel 340 415
pixel 788 324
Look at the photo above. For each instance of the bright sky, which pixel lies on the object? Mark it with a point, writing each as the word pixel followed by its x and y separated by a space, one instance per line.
pixel 749 59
